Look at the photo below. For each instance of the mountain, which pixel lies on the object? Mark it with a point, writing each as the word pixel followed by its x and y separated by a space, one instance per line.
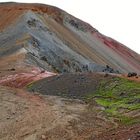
pixel 46 37
pixel 61 79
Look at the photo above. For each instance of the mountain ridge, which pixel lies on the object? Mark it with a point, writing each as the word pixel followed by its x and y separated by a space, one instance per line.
pixel 84 47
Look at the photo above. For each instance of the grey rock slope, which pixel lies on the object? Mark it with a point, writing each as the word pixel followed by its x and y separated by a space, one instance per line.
pixel 58 42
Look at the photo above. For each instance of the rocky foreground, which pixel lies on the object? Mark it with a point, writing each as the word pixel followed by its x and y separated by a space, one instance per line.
pixel 110 111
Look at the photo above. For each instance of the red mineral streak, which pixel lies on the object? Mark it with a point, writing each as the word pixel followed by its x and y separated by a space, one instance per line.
pixel 120 49
pixel 20 80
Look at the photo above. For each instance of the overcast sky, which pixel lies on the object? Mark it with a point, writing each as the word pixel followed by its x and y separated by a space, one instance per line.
pixel 119 19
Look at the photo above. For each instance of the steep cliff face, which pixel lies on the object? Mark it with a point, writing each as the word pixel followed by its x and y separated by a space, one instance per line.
pixel 50 38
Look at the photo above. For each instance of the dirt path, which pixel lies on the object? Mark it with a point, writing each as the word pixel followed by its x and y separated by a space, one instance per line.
pixel 122 133
pixel 34 117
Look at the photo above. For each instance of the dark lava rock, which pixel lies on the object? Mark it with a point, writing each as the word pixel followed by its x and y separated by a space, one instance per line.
pixel 131 74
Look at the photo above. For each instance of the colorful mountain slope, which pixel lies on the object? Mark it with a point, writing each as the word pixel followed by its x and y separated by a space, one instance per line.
pixel 53 40
pixel 63 63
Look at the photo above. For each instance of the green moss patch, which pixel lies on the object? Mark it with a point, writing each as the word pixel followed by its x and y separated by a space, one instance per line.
pixel 118 96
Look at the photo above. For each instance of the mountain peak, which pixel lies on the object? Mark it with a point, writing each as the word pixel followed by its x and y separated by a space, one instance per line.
pixel 60 42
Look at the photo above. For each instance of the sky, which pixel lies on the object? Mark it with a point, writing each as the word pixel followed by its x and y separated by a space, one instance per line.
pixel 119 19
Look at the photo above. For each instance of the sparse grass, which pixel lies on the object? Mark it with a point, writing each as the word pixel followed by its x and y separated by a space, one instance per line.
pixel 117 94
pixel 30 85
pixel 127 120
